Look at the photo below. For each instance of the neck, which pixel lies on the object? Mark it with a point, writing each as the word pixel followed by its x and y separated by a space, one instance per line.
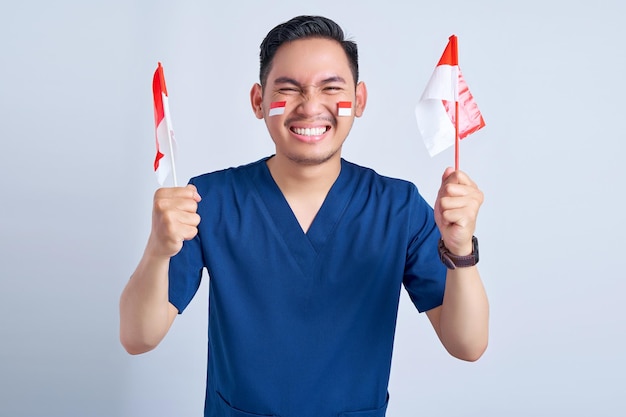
pixel 297 178
pixel 305 187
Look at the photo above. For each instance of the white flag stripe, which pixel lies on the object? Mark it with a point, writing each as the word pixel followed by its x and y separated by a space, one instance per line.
pixel 165 167
pixel 170 137
pixel 443 84
pixel 434 125
pixel 344 111
pixel 275 111
pixel 433 121
pixel 167 146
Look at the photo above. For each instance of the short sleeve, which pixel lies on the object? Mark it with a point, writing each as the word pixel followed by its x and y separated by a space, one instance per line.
pixel 424 274
pixel 185 273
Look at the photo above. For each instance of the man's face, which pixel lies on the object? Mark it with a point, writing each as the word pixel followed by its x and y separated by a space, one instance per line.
pixel 312 76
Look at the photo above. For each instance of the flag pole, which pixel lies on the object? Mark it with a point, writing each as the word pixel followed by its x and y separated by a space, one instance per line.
pixel 457 140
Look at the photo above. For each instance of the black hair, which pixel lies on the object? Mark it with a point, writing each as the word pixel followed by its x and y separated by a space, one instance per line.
pixel 303 27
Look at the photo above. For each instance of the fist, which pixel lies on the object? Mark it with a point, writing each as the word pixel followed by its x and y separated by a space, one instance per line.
pixel 174 219
pixel 456 210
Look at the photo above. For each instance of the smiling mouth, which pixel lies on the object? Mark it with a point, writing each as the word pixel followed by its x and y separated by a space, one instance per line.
pixel 310 131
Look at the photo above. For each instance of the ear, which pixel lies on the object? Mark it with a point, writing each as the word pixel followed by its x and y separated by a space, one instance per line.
pixel 256 100
pixel 361 99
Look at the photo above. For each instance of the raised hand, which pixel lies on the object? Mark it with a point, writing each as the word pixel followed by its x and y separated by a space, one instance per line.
pixel 456 210
pixel 174 219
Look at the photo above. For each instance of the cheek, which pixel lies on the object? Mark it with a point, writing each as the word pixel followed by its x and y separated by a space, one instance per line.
pixel 275 125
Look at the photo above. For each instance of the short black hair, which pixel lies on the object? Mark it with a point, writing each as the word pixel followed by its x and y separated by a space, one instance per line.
pixel 303 27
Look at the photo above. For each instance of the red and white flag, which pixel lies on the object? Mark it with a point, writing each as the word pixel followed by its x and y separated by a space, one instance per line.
pixel 344 108
pixel 164 163
pixel 277 108
pixel 436 111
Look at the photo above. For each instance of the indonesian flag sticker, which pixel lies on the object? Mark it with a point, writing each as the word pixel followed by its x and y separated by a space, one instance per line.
pixel 277 108
pixel 344 108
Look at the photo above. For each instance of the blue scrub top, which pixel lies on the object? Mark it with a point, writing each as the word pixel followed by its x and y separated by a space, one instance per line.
pixel 302 324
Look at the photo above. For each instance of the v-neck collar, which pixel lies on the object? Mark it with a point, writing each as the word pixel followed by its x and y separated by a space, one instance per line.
pixel 306 246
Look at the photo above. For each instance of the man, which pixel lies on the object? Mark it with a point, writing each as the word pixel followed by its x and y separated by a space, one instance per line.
pixel 307 253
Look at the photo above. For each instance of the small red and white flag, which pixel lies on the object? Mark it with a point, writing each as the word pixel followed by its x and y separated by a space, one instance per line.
pixel 344 108
pixel 445 96
pixel 277 108
pixel 164 163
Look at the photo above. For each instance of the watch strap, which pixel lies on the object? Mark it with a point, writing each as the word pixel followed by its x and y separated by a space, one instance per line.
pixel 452 261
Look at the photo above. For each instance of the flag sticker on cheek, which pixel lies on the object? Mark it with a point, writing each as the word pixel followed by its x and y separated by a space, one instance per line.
pixel 344 108
pixel 277 108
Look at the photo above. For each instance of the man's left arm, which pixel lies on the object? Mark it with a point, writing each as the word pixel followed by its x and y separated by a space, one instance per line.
pixel 462 321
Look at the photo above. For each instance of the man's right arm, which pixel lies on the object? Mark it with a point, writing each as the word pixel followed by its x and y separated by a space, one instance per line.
pixel 145 311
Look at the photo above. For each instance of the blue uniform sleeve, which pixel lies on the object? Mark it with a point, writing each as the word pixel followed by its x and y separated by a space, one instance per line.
pixel 424 274
pixel 185 273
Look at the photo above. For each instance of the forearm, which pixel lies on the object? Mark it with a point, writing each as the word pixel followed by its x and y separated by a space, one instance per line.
pixel 145 311
pixel 464 314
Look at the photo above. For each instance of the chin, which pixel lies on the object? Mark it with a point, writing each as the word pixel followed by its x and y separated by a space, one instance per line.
pixel 312 160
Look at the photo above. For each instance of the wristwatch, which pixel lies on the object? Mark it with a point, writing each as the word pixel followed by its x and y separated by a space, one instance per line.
pixel 453 261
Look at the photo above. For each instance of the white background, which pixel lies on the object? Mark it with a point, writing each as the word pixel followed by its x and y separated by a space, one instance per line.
pixel 77 131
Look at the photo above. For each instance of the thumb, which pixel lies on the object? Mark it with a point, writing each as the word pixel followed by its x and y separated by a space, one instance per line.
pixel 447 173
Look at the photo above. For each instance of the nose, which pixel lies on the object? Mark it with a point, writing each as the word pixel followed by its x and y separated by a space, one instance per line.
pixel 311 103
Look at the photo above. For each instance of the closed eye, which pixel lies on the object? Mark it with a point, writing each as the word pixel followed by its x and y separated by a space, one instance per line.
pixel 288 90
pixel 333 89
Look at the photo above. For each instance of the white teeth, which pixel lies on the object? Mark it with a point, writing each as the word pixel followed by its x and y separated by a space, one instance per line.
pixel 316 131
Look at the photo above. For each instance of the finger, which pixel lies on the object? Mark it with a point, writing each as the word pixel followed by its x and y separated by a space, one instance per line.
pixel 471 203
pixel 188 232
pixel 450 203
pixel 175 201
pixel 174 244
pixel 185 205
pixel 188 191
pixel 165 192
pixel 452 190
pixel 194 191
pixel 459 190
pixel 457 177
pixel 188 219
pixel 446 174
pixel 449 182
pixel 176 228
pixel 459 216
pixel 462 178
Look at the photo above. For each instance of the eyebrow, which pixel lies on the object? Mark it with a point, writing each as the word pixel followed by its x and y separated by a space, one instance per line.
pixel 288 80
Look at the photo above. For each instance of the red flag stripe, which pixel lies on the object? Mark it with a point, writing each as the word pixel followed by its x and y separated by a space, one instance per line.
pixel 450 55
pixel 158 86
